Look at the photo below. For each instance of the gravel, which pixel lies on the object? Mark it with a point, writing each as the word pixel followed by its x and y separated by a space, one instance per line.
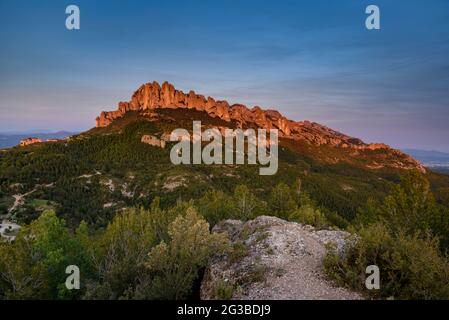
pixel 283 261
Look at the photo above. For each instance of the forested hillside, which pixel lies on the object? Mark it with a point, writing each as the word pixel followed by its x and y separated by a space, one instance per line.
pixel 104 193
pixel 93 174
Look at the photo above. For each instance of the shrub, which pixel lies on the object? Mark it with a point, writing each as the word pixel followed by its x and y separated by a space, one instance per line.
pixel 33 266
pixel 223 290
pixel 238 252
pixel 246 205
pixel 175 264
pixel 215 206
pixel 410 208
pixel 411 267
pixel 256 274
pixel 282 201
pixel 120 253
pixel 309 215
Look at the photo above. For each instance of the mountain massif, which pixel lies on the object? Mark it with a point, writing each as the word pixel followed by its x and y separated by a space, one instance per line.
pixel 152 96
pixel 111 201
pixel 121 161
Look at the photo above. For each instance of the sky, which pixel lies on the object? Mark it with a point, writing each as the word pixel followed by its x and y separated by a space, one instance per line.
pixel 311 60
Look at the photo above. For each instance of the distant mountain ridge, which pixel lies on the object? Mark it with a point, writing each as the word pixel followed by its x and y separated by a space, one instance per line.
pixel 436 160
pixel 429 157
pixel 152 96
pixel 8 140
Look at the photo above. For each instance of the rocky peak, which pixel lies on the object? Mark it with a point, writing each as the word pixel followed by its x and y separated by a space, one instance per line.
pixel 152 96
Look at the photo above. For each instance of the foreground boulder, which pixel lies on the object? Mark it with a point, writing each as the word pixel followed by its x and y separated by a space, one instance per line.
pixel 273 259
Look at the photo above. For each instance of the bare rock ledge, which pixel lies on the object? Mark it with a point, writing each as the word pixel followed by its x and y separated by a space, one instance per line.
pixel 279 260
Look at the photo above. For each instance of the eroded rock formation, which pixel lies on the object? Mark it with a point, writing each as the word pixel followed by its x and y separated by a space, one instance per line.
pixel 153 141
pixel 28 141
pixel 151 96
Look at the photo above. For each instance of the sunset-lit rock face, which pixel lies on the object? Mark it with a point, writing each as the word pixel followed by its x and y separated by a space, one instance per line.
pixel 28 141
pixel 152 96
pixel 153 141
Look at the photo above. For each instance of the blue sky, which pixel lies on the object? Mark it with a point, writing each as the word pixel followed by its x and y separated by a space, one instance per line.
pixel 311 60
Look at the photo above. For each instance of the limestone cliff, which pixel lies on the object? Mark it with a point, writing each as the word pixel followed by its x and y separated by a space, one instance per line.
pixel 152 96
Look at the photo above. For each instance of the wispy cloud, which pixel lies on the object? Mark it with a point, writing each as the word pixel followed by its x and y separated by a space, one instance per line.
pixel 310 60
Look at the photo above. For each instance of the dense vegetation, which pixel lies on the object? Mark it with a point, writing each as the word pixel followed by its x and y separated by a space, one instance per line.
pixel 407 237
pixel 142 254
pixel 160 253
pixel 139 227
pixel 94 174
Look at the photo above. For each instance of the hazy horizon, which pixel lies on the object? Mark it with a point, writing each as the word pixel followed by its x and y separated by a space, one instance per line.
pixel 311 61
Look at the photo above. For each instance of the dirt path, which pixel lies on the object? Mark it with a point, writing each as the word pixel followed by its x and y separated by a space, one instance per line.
pixel 284 260
pixel 19 200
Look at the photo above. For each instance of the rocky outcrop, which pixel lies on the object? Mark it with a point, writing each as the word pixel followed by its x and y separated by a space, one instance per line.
pixel 273 259
pixel 153 141
pixel 28 141
pixel 151 96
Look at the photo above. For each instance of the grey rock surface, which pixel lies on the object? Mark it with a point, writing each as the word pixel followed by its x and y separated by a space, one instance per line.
pixel 274 259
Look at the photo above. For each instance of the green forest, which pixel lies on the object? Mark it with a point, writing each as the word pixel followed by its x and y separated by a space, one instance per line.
pixel 139 227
